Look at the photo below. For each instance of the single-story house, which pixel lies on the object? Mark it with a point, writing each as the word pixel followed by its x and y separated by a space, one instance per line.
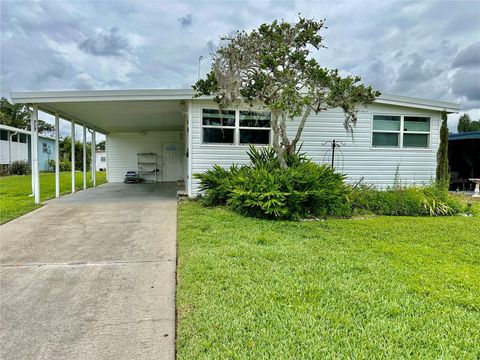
pixel 183 135
pixel 464 159
pixel 101 162
pixel 15 145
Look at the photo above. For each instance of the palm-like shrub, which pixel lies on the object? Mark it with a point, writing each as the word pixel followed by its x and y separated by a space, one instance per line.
pixel 263 189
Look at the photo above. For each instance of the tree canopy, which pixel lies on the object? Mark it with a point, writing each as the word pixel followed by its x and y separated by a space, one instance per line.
pixel 18 115
pixel 272 66
pixel 466 124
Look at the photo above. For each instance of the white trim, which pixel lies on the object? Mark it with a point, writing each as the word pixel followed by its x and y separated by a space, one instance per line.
pixel 84 167
pixel 57 156
pixel 35 167
pixel 188 94
pixel 190 149
pixel 73 140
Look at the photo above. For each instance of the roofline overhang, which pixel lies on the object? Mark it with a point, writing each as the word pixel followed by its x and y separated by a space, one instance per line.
pixel 23 131
pixel 44 97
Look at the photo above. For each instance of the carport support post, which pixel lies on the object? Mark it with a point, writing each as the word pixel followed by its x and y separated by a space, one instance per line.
pixel 73 156
pixel 57 156
pixel 84 157
pixel 34 135
pixel 94 157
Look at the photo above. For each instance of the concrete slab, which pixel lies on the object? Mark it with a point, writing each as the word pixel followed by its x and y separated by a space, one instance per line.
pixel 91 276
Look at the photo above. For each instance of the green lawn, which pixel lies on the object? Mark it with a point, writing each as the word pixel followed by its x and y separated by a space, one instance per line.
pixel 372 288
pixel 14 191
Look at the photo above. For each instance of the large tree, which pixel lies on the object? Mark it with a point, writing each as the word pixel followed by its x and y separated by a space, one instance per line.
pixel 465 124
pixel 272 66
pixel 18 115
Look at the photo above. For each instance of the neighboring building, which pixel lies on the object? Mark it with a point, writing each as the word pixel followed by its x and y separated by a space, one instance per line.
pixel 15 146
pixel 394 135
pixel 101 160
pixel 464 159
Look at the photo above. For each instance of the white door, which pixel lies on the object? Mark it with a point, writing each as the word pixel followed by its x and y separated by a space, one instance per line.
pixel 172 162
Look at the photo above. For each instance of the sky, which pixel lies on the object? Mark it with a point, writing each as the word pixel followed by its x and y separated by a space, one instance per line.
pixel 428 49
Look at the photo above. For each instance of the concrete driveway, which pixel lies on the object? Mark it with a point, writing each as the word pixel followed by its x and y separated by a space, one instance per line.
pixel 91 276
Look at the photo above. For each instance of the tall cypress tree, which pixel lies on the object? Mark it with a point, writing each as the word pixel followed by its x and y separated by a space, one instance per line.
pixel 443 177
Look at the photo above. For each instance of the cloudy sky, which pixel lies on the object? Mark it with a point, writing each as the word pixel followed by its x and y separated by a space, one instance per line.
pixel 426 49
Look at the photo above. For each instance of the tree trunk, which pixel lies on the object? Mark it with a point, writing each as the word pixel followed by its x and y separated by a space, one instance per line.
pixel 300 128
pixel 276 141
pixel 283 132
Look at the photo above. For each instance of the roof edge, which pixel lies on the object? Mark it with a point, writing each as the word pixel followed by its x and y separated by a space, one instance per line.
pixel 32 97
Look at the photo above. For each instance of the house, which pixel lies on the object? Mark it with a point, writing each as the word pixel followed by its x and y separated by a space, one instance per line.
pixel 396 136
pixel 15 145
pixel 464 159
pixel 101 160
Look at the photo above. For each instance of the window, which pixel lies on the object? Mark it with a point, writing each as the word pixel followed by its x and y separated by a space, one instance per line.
pixel 218 126
pixel 254 127
pixel 103 158
pixel 386 131
pixel 401 131
pixel 44 147
pixel 235 127
pixel 15 138
pixel 416 132
pixel 3 135
pixel 23 138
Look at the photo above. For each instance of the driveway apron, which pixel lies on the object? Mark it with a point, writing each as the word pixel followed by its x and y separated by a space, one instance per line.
pixel 91 276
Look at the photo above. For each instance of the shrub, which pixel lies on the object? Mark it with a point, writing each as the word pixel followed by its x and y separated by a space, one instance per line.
pixel 216 184
pixel 51 165
pixel 410 201
pixel 65 166
pixel 305 190
pixel 20 167
pixel 264 190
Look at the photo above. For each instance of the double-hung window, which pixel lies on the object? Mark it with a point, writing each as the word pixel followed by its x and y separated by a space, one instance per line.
pixel 236 127
pixel 398 131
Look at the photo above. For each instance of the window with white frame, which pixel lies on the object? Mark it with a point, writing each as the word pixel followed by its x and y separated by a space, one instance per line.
pixel 399 131
pixel 235 127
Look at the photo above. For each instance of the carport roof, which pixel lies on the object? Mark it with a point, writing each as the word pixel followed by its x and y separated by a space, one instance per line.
pixel 117 110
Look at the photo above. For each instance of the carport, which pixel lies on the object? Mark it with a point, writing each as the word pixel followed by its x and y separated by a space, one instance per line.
pixel 133 121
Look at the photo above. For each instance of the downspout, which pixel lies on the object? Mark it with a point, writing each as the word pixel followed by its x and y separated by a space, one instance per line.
pixel 10 135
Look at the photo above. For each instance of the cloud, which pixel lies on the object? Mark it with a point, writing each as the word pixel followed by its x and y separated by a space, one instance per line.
pixel 186 21
pixel 84 81
pixel 465 83
pixel 106 43
pixel 401 49
pixel 470 56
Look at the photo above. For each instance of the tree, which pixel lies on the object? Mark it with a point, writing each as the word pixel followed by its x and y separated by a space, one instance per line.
pixel 18 115
pixel 465 124
pixel 65 150
pixel 272 66
pixel 442 175
pixel 101 145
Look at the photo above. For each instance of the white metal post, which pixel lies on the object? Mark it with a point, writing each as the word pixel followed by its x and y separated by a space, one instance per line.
pixel 94 157
pixel 84 156
pixel 73 156
pixel 57 156
pixel 30 142
pixel 35 172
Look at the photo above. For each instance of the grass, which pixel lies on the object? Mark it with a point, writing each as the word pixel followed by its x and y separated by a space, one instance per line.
pixel 371 288
pixel 15 190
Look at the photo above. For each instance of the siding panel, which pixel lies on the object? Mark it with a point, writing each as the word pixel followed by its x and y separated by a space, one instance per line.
pixel 356 158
